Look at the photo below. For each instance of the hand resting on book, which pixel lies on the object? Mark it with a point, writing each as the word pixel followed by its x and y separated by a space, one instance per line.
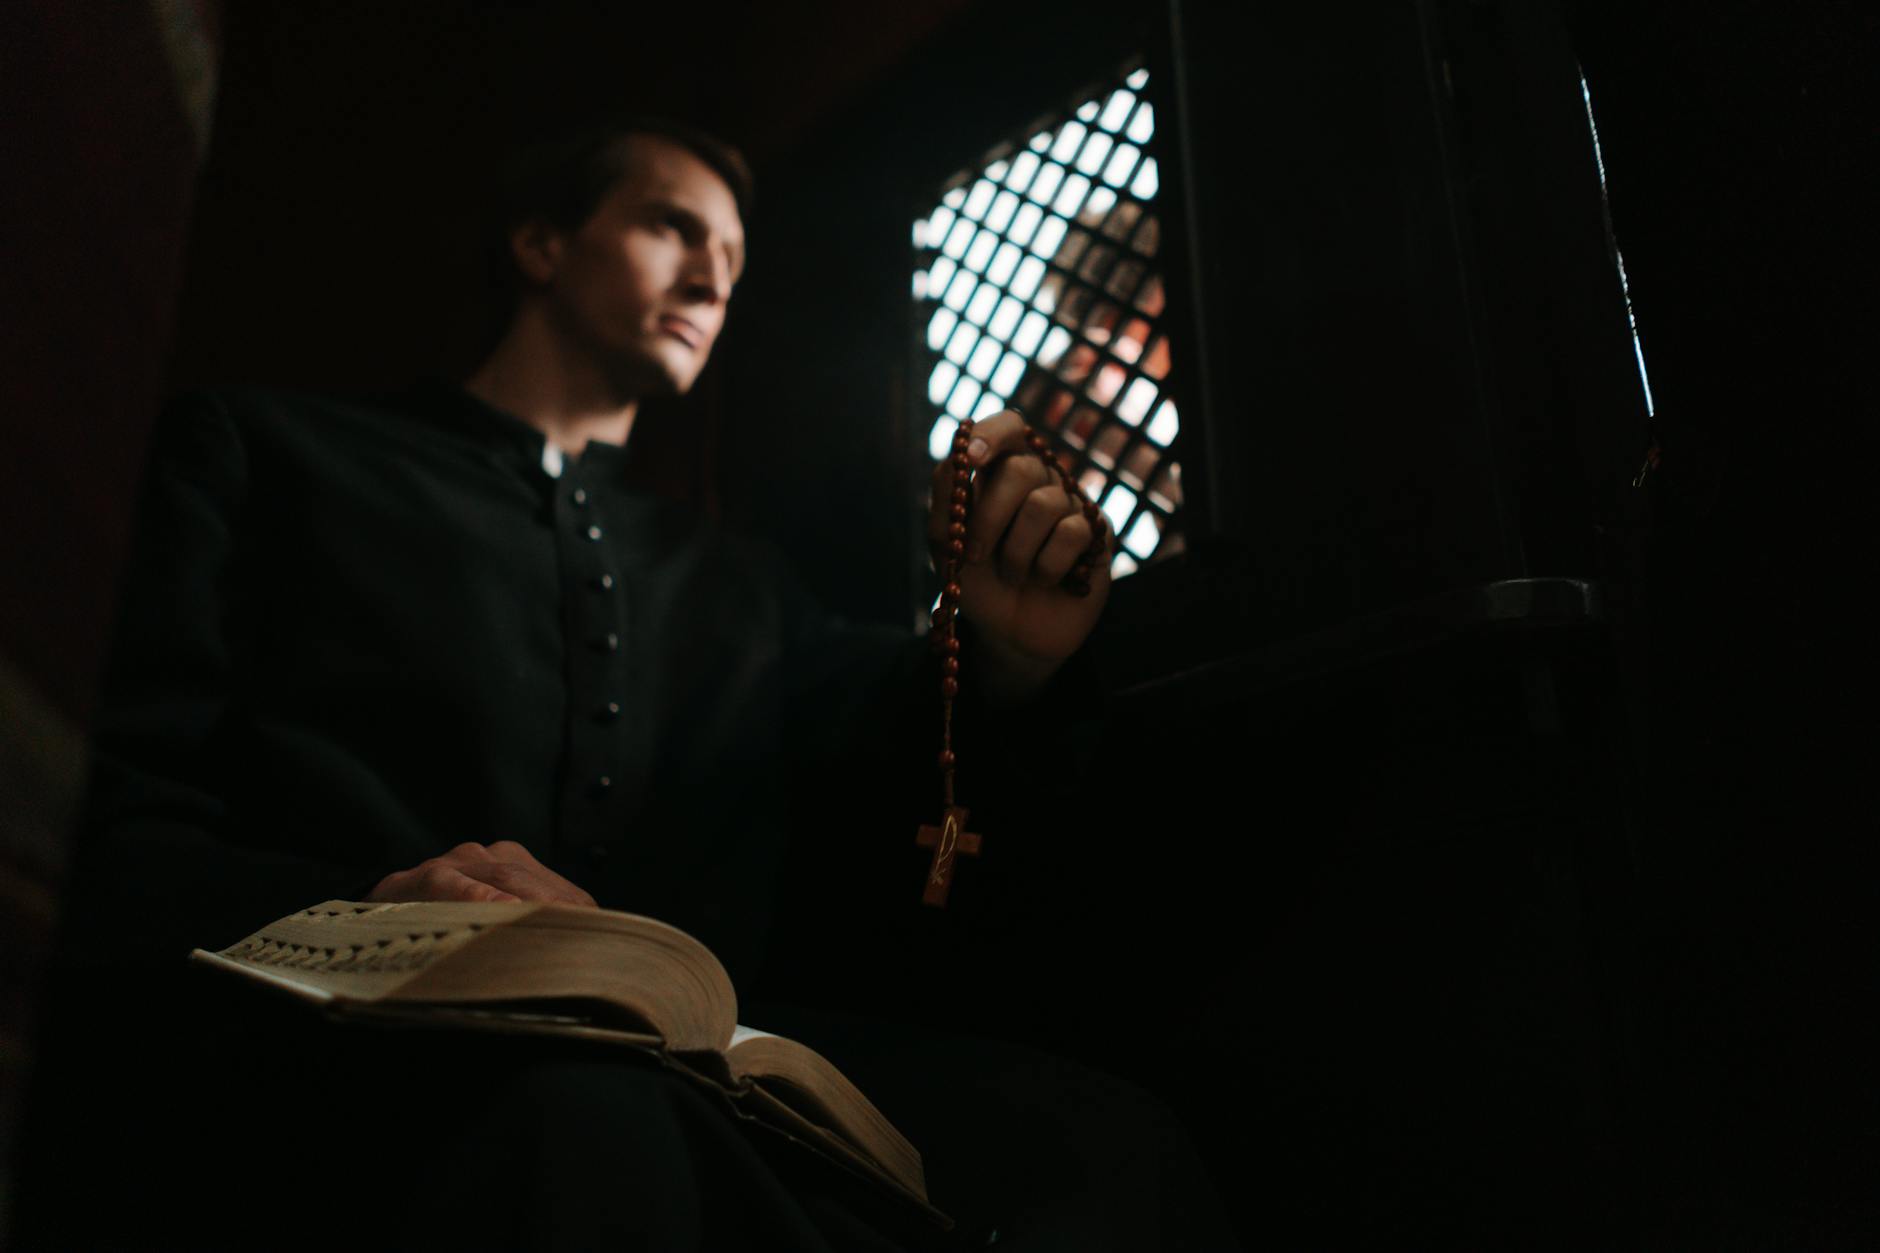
pixel 504 871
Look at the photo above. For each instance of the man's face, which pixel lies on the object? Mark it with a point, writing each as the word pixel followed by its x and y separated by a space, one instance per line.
pixel 643 283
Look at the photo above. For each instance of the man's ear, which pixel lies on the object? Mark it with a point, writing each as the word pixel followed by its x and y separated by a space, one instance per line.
pixel 536 247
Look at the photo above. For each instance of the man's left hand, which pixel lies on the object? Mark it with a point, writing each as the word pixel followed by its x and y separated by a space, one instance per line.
pixel 1024 533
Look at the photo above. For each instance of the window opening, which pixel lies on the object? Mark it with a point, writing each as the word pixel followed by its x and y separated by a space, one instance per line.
pixel 1038 283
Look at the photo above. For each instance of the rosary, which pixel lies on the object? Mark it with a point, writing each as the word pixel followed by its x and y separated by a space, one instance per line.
pixel 951 837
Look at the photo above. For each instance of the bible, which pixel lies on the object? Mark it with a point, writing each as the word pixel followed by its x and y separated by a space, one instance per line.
pixel 589 974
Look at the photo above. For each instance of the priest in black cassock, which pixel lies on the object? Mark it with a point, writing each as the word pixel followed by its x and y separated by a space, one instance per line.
pixel 435 648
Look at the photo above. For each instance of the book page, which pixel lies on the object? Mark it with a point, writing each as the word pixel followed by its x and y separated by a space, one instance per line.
pixel 741 1033
pixel 465 953
pixel 798 1076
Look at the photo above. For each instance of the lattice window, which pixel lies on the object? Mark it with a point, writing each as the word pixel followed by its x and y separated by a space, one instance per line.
pixel 1037 284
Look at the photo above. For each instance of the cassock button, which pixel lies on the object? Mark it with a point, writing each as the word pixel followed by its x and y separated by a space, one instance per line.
pixel 609 711
pixel 604 584
pixel 594 532
pixel 602 784
pixel 580 495
pixel 609 643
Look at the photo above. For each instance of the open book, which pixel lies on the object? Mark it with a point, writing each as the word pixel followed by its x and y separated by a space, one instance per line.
pixel 587 973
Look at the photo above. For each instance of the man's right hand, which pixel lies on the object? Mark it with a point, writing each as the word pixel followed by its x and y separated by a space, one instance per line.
pixel 504 871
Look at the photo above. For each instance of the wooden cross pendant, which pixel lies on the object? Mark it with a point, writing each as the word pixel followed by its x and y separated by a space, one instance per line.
pixel 947 839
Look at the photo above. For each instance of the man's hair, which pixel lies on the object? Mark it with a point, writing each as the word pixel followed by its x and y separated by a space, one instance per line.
pixel 561 179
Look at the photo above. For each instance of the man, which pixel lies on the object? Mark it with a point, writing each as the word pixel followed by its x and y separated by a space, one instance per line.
pixel 437 649
pixel 623 300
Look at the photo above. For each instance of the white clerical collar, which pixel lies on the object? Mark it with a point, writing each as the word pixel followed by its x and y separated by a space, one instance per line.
pixel 551 459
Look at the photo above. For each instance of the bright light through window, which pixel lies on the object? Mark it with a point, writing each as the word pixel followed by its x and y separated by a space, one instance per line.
pixel 1002 209
pixel 978 200
pixel 1070 137
pixel 1119 505
pixel 1037 282
pixel 960 345
pixel 942 326
pixel 1143 535
pixel 941 441
pixel 1116 112
pixel 1025 224
pixel 1046 184
pixel 1163 429
pixel 979 308
pixel 940 384
pixel 1006 318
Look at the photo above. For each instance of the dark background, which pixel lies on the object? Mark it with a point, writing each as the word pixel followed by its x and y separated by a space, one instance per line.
pixel 1551 929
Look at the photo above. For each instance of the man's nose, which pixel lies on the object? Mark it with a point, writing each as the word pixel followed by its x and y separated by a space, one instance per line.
pixel 708 275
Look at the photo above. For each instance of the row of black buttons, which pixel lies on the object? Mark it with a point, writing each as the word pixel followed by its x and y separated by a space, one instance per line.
pixel 607 643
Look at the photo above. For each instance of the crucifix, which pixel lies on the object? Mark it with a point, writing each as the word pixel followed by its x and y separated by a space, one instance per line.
pixel 947 839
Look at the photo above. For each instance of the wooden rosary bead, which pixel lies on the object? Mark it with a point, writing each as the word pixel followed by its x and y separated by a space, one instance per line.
pixel 946 759
pixel 951 644
pixel 950 667
pixel 949 687
pixel 956 547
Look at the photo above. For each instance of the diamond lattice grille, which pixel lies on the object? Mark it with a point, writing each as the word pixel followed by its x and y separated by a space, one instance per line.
pixel 1037 283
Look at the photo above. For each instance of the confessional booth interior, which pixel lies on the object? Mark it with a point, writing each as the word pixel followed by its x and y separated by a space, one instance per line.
pixel 1441 819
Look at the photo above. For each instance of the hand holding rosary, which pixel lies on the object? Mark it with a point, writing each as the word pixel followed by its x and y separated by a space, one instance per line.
pixel 951 838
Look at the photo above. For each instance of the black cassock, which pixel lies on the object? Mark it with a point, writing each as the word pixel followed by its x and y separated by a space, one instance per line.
pixel 355 635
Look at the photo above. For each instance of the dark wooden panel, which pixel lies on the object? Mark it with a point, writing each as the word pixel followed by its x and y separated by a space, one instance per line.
pixel 41 771
pixel 100 163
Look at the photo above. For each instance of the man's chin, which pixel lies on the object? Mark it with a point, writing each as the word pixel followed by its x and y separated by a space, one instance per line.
pixel 644 379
